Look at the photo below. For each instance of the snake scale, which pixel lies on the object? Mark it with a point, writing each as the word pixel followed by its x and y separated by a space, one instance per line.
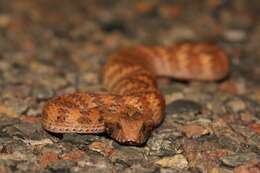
pixel 133 105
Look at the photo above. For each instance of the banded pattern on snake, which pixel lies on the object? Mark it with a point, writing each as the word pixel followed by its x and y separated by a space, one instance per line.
pixel 133 105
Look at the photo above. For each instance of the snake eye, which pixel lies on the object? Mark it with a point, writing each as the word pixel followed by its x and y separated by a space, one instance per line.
pixel 118 126
pixel 111 127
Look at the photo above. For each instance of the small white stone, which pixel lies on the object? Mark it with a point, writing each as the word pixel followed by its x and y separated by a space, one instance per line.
pixel 235 35
pixel 178 161
pixel 37 142
pixel 237 105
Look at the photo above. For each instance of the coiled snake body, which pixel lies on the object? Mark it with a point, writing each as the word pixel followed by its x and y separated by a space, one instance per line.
pixel 133 105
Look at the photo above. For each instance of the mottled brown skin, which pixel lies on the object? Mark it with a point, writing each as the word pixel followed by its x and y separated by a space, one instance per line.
pixel 133 105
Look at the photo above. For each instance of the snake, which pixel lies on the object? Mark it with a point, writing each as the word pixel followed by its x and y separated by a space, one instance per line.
pixel 132 105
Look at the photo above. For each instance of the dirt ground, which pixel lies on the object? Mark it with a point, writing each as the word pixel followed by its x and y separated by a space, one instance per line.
pixel 52 47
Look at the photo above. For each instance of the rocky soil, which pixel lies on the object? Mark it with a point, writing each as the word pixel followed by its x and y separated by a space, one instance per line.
pixel 52 47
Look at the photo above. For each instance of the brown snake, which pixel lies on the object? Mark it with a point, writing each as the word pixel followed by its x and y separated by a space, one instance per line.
pixel 133 105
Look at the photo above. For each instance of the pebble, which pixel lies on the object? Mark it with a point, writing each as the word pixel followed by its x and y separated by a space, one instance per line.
pixel 247 117
pixel 37 142
pixel 194 130
pixel 15 106
pixel 60 166
pixel 180 106
pixel 235 35
pixel 141 168
pixel 90 78
pixel 164 143
pixel 237 159
pixel 16 155
pixel 73 155
pixel 255 127
pixel 177 161
pixel 128 155
pixel 171 11
pixel 48 158
pixel 172 96
pixel 229 87
pixel 101 147
pixel 42 93
pixel 236 105
pixel 7 112
pixel 250 167
pixel 5 20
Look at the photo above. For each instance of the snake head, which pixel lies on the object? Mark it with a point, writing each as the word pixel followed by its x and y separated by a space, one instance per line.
pixel 128 130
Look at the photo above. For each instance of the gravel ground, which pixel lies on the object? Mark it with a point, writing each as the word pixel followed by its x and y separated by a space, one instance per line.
pixel 52 47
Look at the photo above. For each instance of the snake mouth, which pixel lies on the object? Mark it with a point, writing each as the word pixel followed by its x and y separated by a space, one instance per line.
pixel 132 142
pixel 140 140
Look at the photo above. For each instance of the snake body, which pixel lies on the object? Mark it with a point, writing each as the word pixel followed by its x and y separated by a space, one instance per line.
pixel 133 105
